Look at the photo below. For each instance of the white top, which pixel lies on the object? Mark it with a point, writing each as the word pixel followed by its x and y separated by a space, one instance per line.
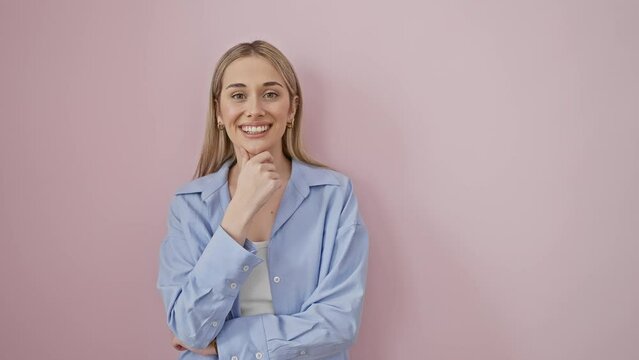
pixel 255 293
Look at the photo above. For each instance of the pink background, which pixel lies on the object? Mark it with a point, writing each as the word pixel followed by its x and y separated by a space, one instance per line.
pixel 494 148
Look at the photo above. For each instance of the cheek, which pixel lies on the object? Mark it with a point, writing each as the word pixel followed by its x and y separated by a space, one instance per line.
pixel 280 110
pixel 230 112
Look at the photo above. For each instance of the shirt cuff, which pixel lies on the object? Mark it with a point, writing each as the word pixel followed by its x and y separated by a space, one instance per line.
pixel 224 263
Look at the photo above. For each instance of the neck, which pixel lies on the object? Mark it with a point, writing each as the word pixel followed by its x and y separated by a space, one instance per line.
pixel 282 165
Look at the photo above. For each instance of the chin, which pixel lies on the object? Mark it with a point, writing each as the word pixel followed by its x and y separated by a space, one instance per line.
pixel 256 149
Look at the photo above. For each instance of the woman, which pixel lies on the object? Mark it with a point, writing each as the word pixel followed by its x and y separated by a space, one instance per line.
pixel 266 252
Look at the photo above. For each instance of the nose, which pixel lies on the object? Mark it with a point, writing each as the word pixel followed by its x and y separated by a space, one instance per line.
pixel 254 108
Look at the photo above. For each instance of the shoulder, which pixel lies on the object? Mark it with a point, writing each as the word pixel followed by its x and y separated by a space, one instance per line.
pixel 197 185
pixel 338 193
pixel 190 198
pixel 317 175
pixel 332 185
pixel 321 181
pixel 206 185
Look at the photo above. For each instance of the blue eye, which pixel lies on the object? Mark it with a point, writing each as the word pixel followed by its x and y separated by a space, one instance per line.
pixel 236 98
pixel 268 95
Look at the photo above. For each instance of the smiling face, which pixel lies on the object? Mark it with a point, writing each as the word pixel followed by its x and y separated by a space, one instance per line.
pixel 254 105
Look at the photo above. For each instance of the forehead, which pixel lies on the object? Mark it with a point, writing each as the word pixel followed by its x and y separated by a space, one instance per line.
pixel 250 70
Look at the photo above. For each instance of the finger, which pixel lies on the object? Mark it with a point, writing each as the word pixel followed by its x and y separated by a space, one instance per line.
pixel 263 157
pixel 177 345
pixel 268 167
pixel 205 351
pixel 242 155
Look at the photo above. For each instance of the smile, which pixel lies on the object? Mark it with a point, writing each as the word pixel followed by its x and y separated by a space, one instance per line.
pixel 253 130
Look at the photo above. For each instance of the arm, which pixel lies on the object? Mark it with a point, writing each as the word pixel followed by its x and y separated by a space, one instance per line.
pixel 199 287
pixel 329 320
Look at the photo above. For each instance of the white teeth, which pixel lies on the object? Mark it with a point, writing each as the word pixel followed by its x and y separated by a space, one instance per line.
pixel 255 129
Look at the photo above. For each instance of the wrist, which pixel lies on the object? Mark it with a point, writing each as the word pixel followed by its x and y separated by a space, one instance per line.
pixel 235 221
pixel 239 212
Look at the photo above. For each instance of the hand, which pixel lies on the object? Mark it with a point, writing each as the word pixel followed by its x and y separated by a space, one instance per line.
pixel 209 350
pixel 257 181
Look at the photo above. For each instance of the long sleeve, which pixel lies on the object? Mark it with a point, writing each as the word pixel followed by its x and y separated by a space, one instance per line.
pixel 199 287
pixel 328 322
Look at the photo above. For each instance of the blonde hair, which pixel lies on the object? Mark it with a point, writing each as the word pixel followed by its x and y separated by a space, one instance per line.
pixel 217 147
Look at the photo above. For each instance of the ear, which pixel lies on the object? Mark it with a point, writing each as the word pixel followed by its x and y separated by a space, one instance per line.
pixel 217 112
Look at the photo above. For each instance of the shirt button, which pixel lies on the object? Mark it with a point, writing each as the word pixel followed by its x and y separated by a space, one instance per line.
pixel 233 285
pixel 302 352
pixel 276 279
pixel 214 323
pixel 245 268
pixel 234 357
pixel 258 355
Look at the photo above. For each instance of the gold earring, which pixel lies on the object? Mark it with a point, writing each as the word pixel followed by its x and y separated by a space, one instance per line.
pixel 289 125
pixel 220 126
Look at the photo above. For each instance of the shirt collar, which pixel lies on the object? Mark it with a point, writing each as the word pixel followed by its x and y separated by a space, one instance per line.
pixel 303 177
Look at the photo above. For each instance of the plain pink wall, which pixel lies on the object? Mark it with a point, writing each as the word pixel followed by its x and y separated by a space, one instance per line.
pixel 494 148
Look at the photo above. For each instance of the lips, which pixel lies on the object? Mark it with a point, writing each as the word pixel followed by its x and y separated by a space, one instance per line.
pixel 255 129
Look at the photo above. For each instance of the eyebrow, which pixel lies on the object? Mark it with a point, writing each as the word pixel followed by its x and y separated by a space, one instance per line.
pixel 268 83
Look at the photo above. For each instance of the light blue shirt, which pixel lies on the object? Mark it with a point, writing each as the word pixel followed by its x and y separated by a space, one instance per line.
pixel 317 263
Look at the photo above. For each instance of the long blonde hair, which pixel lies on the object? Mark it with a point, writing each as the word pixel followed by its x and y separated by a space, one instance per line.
pixel 217 147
